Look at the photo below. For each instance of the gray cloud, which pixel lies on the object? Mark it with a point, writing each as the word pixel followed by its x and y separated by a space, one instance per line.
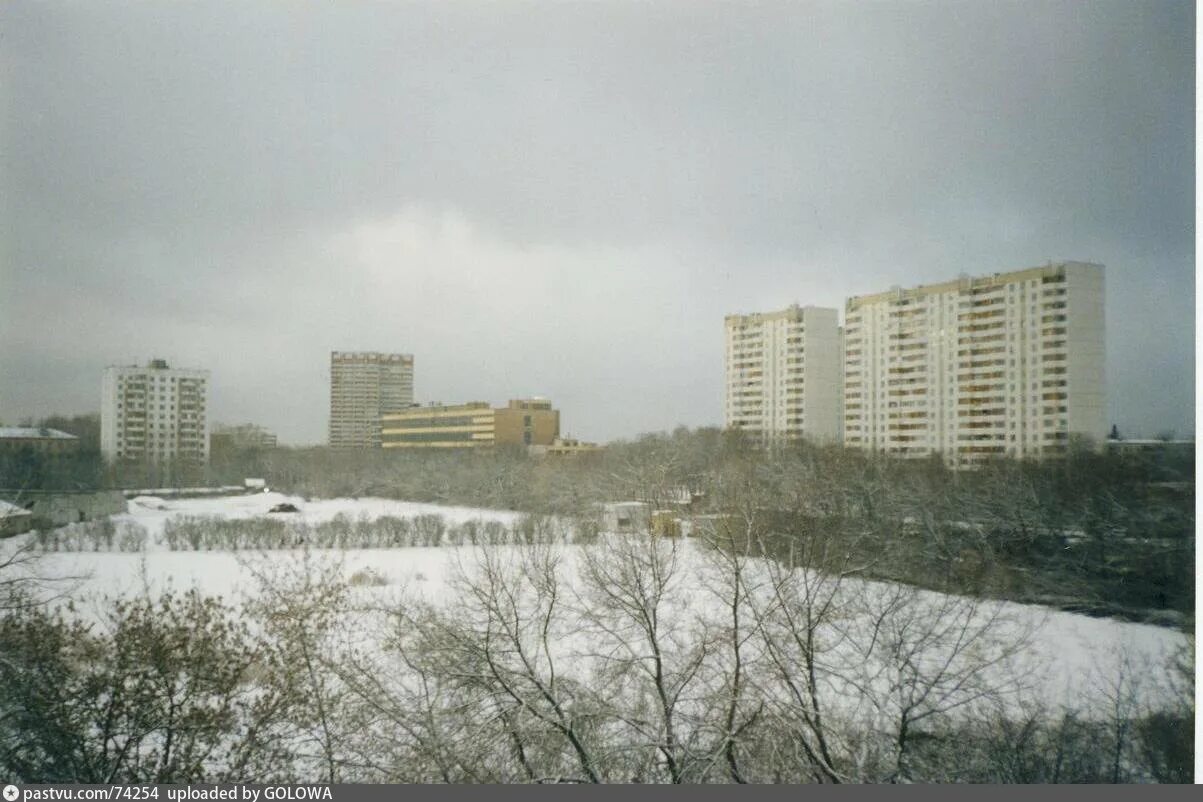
pixel 566 200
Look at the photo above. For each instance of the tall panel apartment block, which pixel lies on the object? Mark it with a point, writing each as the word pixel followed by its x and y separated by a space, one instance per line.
pixel 363 386
pixel 783 374
pixel 155 414
pixel 1009 364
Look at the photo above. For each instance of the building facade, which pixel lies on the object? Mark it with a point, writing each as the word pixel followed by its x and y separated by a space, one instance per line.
pixel 155 415
pixel 529 422
pixel 363 386
pixel 783 374
pixel 1005 365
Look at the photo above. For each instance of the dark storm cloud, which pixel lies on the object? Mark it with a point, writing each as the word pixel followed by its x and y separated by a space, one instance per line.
pixel 566 200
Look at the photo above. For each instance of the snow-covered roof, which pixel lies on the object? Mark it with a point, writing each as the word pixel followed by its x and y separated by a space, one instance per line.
pixel 7 510
pixel 30 433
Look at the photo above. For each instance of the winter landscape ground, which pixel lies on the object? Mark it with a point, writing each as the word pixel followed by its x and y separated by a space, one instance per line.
pixel 394 641
pixel 1068 657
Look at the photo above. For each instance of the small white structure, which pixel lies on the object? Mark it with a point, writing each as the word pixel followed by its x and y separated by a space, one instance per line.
pixel 14 520
pixel 254 484
pixel 626 516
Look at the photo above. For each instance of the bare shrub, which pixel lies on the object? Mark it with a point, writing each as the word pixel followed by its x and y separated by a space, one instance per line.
pixel 131 536
pixel 428 529
pixel 367 577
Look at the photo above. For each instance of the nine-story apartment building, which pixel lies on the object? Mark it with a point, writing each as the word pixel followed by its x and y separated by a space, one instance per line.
pixel 155 415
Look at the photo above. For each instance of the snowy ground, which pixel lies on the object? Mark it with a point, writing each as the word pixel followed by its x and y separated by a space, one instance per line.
pixel 1069 654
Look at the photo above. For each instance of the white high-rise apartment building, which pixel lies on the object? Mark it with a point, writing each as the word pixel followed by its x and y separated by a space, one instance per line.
pixel 363 386
pixel 783 374
pixel 1003 365
pixel 155 414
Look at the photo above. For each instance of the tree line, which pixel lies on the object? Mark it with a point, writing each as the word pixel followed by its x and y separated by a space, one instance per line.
pixel 1104 533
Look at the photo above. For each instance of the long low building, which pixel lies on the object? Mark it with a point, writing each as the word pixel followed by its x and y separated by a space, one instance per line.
pixel 522 422
pixel 566 447
pixel 38 440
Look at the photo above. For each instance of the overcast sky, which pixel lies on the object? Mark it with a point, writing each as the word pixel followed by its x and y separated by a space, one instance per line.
pixel 566 200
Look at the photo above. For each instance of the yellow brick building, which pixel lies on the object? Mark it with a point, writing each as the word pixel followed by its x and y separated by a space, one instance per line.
pixel 472 425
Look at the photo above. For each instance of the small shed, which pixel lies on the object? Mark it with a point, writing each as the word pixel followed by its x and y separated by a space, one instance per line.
pixel 626 516
pixel 14 520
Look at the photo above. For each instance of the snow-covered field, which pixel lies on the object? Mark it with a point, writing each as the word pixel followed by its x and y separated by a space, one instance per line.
pixel 231 574
pixel 151 512
pixel 1068 657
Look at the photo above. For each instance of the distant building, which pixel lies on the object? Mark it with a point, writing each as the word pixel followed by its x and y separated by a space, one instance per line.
pixel 528 422
pixel 783 374
pixel 1154 447
pixel 1003 365
pixel 566 447
pixel 37 440
pixel 42 458
pixel 363 387
pixel 155 414
pixel 228 439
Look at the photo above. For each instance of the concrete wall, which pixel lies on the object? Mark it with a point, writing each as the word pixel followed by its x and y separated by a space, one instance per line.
pixel 1086 336
pixel 823 386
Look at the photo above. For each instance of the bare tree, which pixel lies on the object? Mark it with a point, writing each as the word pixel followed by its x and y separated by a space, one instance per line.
pixel 653 650
pixel 299 606
pixel 925 658
pixel 498 643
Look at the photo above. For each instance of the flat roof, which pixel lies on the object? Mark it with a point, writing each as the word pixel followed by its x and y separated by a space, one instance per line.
pixel 33 433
